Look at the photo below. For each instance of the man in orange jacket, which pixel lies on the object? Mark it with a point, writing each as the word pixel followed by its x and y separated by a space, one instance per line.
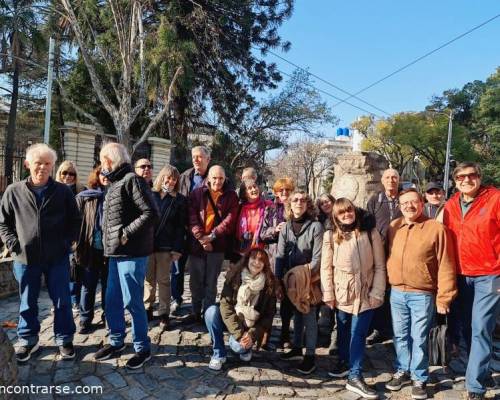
pixel 473 217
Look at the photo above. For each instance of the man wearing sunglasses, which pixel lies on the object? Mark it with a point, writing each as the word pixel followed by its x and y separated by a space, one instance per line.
pixel 473 216
pixel 144 168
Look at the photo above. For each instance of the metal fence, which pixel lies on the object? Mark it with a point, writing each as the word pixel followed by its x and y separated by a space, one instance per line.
pixel 18 170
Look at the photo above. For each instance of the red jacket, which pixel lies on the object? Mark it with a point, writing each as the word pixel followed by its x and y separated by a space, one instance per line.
pixel 477 235
pixel 227 207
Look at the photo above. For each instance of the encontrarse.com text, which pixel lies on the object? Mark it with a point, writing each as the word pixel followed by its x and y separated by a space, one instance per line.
pixel 49 389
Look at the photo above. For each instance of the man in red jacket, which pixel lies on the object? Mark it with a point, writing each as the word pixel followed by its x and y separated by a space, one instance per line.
pixel 473 217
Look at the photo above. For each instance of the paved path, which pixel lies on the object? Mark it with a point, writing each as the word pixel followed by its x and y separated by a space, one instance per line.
pixel 179 369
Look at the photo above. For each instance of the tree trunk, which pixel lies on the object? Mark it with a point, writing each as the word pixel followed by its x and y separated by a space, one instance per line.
pixel 11 126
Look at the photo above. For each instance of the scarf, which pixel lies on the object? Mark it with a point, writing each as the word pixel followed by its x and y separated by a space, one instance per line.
pixel 247 296
pixel 99 195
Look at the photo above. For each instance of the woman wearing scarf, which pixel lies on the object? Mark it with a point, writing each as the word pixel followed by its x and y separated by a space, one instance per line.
pixel 247 308
pixel 168 241
pixel 300 244
pixel 353 279
pixel 251 217
pixel 89 254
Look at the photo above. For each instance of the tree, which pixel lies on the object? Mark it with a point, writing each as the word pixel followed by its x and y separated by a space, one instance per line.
pixel 119 53
pixel 20 39
pixel 297 109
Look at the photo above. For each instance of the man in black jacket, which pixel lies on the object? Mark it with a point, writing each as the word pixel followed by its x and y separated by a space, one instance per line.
pixel 128 229
pixel 189 180
pixel 39 221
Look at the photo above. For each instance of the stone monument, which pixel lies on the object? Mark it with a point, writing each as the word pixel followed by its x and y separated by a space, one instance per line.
pixel 357 176
pixel 8 365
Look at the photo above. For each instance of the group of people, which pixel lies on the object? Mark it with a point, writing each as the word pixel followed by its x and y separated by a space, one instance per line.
pixel 403 259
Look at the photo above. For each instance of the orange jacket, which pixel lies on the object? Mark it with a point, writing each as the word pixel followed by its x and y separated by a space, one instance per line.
pixel 477 235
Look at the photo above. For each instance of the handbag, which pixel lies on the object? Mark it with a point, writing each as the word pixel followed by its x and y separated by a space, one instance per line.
pixel 439 345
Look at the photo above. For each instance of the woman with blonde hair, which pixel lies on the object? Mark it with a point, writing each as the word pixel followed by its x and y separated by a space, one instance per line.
pixel 168 241
pixel 299 243
pixel 68 174
pixel 353 279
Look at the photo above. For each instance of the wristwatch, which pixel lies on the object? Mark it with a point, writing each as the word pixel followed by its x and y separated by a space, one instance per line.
pixel 212 236
pixel 124 238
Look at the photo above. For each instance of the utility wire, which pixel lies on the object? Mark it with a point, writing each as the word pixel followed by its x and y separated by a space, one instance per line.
pixel 419 59
pixel 333 96
pixel 324 80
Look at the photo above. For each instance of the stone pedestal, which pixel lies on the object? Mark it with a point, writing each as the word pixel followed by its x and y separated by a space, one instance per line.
pixel 161 151
pixel 79 146
pixel 8 283
pixel 8 364
pixel 357 176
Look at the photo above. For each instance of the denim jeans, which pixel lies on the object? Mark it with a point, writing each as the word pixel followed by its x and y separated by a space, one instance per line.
pixel 478 297
pixel 216 327
pixel 57 278
pixel 126 290
pixel 75 291
pixel 91 277
pixel 351 335
pixel 309 323
pixel 412 316
pixel 177 279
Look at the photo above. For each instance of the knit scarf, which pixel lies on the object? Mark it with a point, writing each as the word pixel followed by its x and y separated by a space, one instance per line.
pixel 247 296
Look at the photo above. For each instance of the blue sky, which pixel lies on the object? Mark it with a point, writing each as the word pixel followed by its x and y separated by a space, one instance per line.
pixel 354 43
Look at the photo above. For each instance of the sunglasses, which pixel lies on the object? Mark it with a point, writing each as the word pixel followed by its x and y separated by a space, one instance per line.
pixel 145 166
pixel 472 176
pixel 69 173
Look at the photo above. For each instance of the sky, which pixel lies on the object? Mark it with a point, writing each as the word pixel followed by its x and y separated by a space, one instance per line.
pixel 355 43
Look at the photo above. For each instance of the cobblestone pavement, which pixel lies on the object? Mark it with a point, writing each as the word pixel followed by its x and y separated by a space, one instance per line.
pixel 179 368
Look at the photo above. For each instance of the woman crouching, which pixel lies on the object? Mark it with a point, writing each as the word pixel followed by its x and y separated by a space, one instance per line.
pixel 247 308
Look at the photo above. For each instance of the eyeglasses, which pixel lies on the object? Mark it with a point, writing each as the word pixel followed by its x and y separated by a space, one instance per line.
pixel 69 173
pixel 472 177
pixel 145 166
pixel 348 211
pixel 296 200
pixel 284 190
pixel 411 202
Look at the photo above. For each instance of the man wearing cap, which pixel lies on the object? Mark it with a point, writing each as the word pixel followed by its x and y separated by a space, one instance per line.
pixel 434 196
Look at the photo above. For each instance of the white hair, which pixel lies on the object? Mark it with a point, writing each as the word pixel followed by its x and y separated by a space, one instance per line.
pixel 391 170
pixel 203 149
pixel 116 152
pixel 38 150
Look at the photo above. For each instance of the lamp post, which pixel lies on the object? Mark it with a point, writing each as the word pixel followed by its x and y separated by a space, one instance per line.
pixel 446 180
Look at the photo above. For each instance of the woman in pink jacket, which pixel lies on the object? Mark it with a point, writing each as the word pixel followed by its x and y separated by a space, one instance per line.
pixel 353 279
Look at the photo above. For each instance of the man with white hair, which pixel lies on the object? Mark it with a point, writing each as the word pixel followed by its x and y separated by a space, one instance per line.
pixel 213 210
pixel 39 221
pixel 128 229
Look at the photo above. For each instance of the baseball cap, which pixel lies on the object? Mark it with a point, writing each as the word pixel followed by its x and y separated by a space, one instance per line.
pixel 433 185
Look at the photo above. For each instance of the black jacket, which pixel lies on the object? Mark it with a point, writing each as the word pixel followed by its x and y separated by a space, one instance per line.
pixel 129 208
pixel 170 230
pixel 384 212
pixel 39 234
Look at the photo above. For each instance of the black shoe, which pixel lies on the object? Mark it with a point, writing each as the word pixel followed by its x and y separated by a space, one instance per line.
pixel 108 351
pixel 307 365
pixel 67 351
pixel 164 322
pixel 85 329
pixel 193 318
pixel 138 360
pixel 375 337
pixel 419 390
pixel 293 355
pixel 339 370
pixel 359 386
pixel 490 383
pixel 285 341
pixel 399 379
pixel 24 353
pixel 475 396
pixel 175 308
pixel 150 315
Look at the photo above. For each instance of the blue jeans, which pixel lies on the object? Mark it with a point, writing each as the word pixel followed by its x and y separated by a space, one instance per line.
pixel 412 316
pixel 351 338
pixel 478 297
pixel 216 327
pixel 91 277
pixel 310 323
pixel 75 290
pixel 177 279
pixel 57 279
pixel 126 290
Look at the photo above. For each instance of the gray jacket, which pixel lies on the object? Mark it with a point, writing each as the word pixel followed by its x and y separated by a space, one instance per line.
pixel 39 233
pixel 304 248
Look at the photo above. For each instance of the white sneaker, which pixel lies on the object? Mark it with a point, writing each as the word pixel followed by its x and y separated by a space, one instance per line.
pixel 216 363
pixel 246 356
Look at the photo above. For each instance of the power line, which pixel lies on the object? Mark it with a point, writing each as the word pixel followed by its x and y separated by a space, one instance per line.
pixel 333 96
pixel 419 58
pixel 324 81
